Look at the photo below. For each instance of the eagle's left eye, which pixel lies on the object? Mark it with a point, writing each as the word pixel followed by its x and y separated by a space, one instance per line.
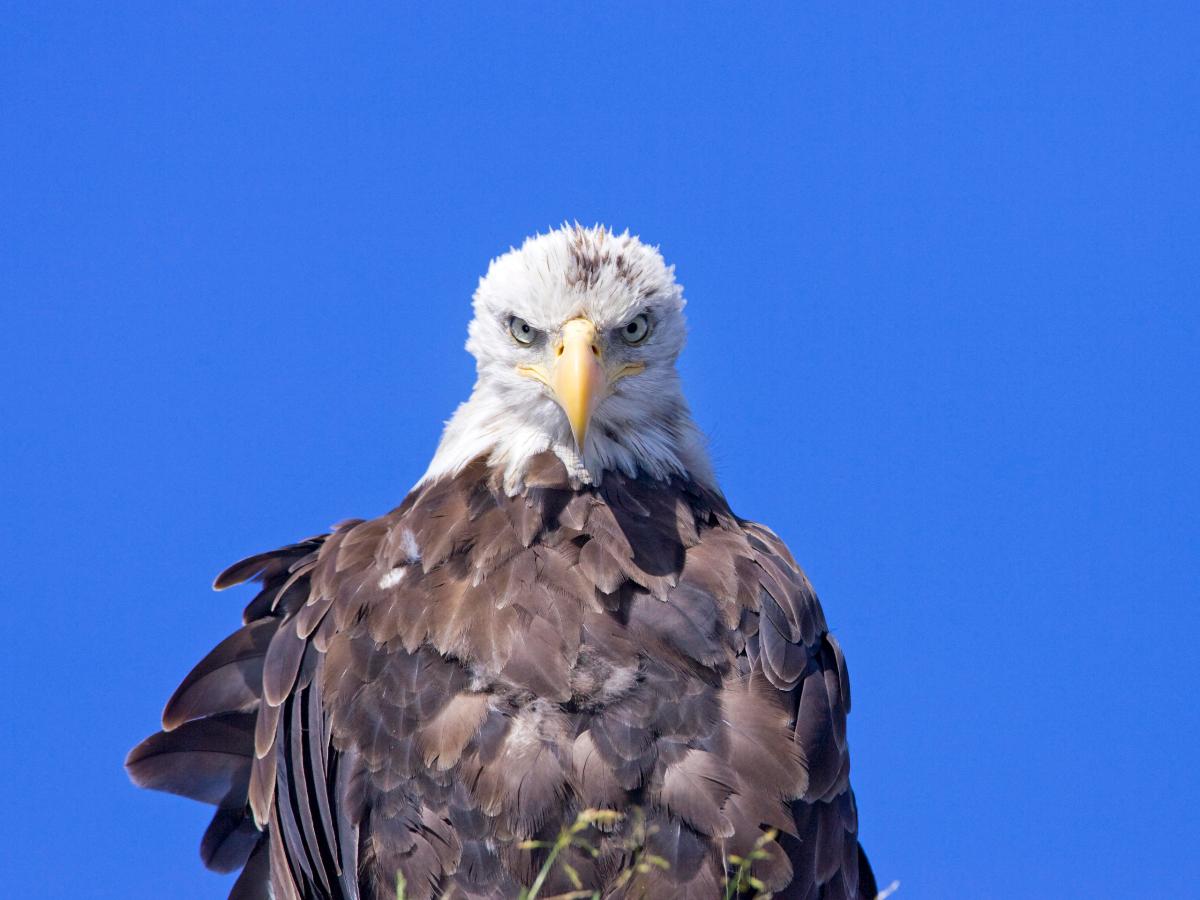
pixel 636 330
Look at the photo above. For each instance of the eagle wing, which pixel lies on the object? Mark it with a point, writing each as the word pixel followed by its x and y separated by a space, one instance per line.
pixel 789 645
pixel 248 722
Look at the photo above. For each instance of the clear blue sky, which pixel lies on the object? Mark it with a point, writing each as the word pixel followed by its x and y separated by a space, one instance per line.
pixel 944 272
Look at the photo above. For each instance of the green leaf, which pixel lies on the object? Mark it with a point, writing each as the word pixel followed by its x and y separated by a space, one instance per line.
pixel 573 875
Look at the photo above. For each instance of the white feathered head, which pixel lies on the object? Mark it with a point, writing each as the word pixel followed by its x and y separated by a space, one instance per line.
pixel 575 338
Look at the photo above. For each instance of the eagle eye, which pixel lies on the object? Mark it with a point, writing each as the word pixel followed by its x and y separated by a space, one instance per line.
pixel 522 331
pixel 636 330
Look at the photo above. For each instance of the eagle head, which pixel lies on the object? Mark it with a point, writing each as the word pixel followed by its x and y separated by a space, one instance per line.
pixel 575 338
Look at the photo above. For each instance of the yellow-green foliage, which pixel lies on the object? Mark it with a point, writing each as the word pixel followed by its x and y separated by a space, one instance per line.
pixel 740 883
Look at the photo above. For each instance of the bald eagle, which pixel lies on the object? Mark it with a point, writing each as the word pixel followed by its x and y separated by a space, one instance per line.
pixel 562 630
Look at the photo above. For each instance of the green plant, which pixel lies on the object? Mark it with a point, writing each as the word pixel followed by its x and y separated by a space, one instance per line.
pixel 568 837
pixel 740 882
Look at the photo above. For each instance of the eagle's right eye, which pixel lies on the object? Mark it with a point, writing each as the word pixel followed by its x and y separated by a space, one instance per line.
pixel 522 331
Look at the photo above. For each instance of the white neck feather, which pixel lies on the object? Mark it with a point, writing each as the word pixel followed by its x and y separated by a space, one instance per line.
pixel 487 426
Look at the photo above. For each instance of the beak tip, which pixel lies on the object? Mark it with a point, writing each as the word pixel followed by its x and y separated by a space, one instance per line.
pixel 579 433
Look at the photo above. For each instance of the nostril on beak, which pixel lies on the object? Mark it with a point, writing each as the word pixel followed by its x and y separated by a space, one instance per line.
pixel 558 350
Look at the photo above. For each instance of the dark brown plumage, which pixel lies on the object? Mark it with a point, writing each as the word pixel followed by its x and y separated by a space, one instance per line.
pixel 422 692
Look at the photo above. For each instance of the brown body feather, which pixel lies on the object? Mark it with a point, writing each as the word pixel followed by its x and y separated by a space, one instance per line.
pixel 423 692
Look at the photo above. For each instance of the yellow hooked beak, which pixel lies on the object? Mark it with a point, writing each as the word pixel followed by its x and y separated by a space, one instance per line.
pixel 577 375
pixel 578 379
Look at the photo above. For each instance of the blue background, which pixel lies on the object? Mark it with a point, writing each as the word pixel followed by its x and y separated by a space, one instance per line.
pixel 943 264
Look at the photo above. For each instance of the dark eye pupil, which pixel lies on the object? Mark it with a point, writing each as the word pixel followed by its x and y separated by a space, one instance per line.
pixel 632 327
